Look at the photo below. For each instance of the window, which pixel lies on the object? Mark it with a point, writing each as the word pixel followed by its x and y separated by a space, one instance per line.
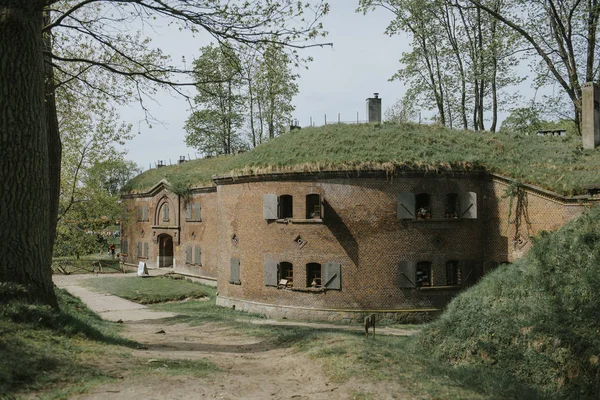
pixel 165 212
pixel 452 205
pixel 423 274
pixel 234 275
pixel 313 275
pixel 192 212
pixel 146 249
pixel 140 215
pixel 423 206
pixel 285 206
pixel 313 206
pixel 197 255
pixel 143 212
pixel 286 271
pixel 452 273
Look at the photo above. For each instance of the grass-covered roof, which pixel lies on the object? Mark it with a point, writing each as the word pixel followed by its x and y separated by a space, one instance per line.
pixel 556 163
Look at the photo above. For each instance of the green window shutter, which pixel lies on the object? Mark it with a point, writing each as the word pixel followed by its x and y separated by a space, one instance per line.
pixel 271 273
pixel 270 206
pixel 235 271
pixel 407 274
pixel 188 211
pixel 468 205
pixel 470 271
pixel 332 278
pixel 139 212
pixel 405 206
pixel 197 215
pixel 188 255
pixel 139 249
pixel 197 255
pixel 146 249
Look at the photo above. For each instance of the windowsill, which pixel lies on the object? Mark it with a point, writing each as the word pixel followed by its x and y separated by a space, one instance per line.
pixel 235 282
pixel 453 287
pixel 193 220
pixel 299 221
pixel 307 290
pixel 142 258
pixel 164 227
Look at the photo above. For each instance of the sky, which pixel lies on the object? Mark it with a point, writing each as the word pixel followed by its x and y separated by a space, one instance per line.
pixel 339 80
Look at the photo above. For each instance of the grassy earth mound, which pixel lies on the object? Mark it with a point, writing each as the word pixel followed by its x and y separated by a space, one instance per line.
pixel 536 319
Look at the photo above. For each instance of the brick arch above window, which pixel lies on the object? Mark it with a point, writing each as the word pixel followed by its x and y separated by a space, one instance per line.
pixel 165 213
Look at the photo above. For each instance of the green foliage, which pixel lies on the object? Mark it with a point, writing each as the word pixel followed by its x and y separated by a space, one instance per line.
pixel 558 164
pixel 148 290
pixel 535 319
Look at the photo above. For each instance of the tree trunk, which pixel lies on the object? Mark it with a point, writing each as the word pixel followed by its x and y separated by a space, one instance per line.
pixel 24 160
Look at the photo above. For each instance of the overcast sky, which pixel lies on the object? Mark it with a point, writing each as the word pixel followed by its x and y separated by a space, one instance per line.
pixel 339 80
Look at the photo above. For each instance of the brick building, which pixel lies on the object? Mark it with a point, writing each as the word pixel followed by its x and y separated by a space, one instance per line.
pixel 337 245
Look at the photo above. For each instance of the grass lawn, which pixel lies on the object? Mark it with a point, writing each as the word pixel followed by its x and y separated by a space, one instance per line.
pixel 555 163
pixel 148 290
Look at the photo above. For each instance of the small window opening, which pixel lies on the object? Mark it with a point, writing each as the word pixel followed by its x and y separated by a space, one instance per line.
pixel 313 275
pixel 423 273
pixel 452 273
pixel 165 212
pixel 286 272
pixel 313 206
pixel 285 206
pixel 423 205
pixel 452 205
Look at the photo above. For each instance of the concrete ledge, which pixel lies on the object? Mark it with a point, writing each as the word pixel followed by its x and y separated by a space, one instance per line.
pixel 416 315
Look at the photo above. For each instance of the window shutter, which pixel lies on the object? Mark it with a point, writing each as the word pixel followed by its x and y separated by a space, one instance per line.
pixel 271 273
pixel 197 215
pixel 188 255
pixel 146 249
pixel 235 271
pixel 468 205
pixel 197 255
pixel 332 276
pixel 139 213
pixel 469 270
pixel 188 211
pixel 139 249
pixel 166 212
pixel 407 274
pixel 124 247
pixel 270 206
pixel 406 205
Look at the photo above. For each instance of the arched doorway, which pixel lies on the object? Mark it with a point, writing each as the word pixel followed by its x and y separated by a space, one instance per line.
pixel 165 251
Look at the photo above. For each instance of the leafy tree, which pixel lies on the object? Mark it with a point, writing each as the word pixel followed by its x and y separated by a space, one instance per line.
pixel 36 39
pixel 402 111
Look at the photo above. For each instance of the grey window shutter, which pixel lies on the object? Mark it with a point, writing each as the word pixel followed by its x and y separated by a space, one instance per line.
pixel 124 247
pixel 139 249
pixel 270 206
pixel 332 276
pixel 271 273
pixel 407 274
pixel 139 213
pixel 468 205
pixel 146 249
pixel 235 271
pixel 406 205
pixel 188 211
pixel 469 270
pixel 146 213
pixel 188 254
pixel 197 215
pixel 197 255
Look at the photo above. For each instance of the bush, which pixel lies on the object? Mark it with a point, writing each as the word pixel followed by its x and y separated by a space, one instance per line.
pixel 537 319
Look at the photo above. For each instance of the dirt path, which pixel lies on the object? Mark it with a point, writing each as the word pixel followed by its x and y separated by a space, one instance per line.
pixel 248 367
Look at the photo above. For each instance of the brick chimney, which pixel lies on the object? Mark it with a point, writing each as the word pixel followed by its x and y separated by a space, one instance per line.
pixel 590 115
pixel 374 109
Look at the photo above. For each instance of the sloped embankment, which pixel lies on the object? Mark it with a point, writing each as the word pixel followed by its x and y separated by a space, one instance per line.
pixel 536 319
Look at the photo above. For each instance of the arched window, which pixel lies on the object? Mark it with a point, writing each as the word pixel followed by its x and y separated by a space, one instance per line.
pixel 423 205
pixel 313 275
pixel 285 206
pixel 452 273
pixel 452 205
pixel 286 271
pixel 313 206
pixel 423 273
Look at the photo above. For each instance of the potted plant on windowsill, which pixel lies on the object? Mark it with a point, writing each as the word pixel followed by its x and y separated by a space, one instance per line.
pixel 422 213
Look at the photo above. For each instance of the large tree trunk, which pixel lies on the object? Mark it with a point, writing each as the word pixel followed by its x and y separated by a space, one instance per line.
pixel 24 174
